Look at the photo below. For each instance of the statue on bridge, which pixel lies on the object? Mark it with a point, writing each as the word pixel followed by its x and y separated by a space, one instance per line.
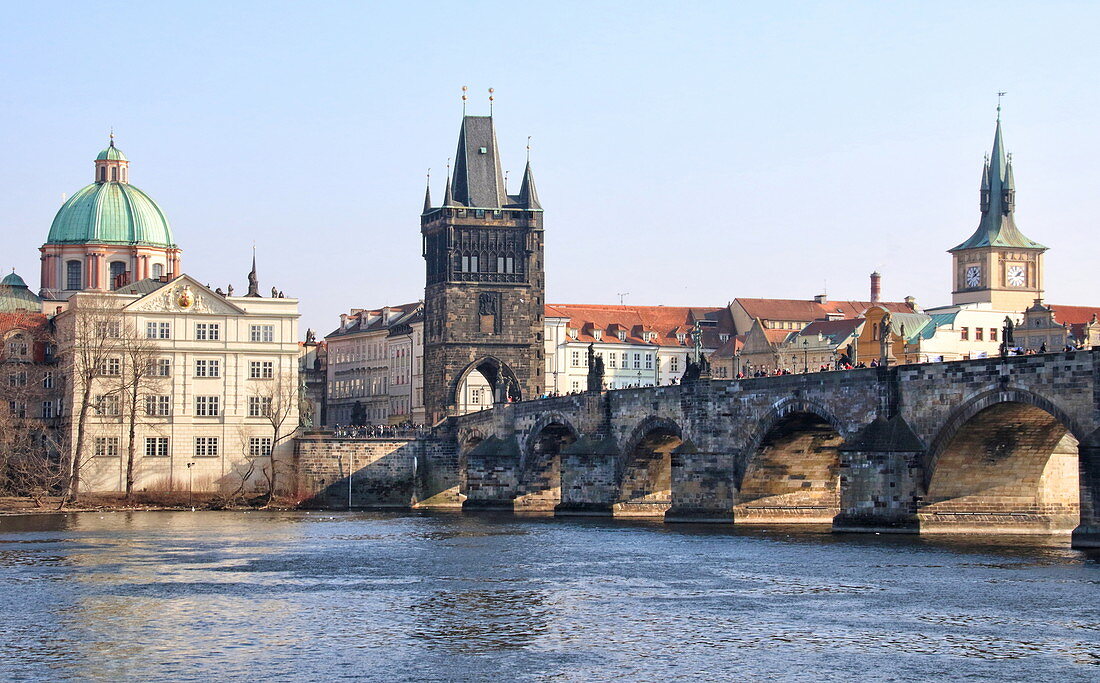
pixel 595 369
pixel 1008 336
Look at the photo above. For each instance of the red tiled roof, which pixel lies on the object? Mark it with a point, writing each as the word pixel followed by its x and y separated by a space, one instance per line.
pixel 729 347
pixel 776 336
pixel 806 311
pixel 665 321
pixel 1077 317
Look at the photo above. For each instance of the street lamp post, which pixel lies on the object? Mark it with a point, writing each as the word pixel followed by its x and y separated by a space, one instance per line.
pixel 190 487
pixel 805 356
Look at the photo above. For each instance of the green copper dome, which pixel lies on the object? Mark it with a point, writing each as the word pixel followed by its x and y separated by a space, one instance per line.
pixel 15 296
pixel 111 211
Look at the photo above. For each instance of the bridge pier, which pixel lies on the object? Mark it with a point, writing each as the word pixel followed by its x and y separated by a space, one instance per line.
pixel 1087 533
pixel 492 474
pixel 702 486
pixel 589 477
pixel 880 479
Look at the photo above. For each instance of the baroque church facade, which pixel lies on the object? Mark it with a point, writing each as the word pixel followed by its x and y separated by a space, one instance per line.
pixel 196 386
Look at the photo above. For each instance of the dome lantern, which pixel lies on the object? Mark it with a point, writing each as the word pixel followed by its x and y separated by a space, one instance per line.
pixel 111 166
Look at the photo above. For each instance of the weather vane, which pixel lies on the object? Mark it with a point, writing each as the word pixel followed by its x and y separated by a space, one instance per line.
pixel 490 101
pixel 1000 94
pixel 464 89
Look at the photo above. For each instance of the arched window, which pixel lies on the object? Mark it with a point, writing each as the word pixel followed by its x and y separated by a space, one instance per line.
pixel 102 173
pixel 114 173
pixel 74 275
pixel 158 270
pixel 117 268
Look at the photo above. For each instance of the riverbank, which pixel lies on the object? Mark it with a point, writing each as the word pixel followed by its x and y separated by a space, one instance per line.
pixel 139 502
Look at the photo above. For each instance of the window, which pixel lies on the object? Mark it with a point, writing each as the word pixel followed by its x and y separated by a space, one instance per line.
pixel 17 408
pixel 259 406
pixel 611 360
pixel 106 447
pixel 576 385
pixel 993 334
pixel 47 409
pixel 158 406
pixel 506 264
pixel 106 404
pixel 259 446
pixel 261 333
pixel 576 358
pixel 158 270
pixel 597 334
pixel 208 367
pixel 111 366
pixel 156 447
pixel 117 268
pixel 965 335
pixel 208 331
pixel 158 330
pixel 160 367
pixel 206 446
pixel 674 364
pixel 475 396
pixel 637 361
pixel 111 329
pixel 649 361
pixel 17 379
pixel 74 275
pixel 978 333
pixel 207 406
pixel 261 369
pixel 47 380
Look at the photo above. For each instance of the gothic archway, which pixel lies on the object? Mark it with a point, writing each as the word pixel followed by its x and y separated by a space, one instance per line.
pixel 540 487
pixel 482 383
pixel 645 487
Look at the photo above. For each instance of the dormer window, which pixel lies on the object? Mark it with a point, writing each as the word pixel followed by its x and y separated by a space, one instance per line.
pixel 723 337
pixel 680 337
pixel 597 335
pixel 622 335
pixel 572 333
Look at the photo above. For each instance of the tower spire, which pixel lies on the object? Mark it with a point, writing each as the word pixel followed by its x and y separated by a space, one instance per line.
pixel 448 194
pixel 428 193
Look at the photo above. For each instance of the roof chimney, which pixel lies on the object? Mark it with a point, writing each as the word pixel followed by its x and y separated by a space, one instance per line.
pixel 821 298
pixel 876 287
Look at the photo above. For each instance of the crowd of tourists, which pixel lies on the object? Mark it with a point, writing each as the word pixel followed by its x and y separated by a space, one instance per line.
pixel 406 430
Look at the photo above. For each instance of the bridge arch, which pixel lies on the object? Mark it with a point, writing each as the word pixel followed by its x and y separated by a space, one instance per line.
pixel 645 482
pixel 540 485
pixel 1005 461
pixel 467 439
pixel 790 470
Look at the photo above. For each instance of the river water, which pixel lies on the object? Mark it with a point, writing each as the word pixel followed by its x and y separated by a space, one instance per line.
pixel 394 597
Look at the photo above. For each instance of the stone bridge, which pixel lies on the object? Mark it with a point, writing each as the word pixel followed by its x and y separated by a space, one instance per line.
pixel 1005 445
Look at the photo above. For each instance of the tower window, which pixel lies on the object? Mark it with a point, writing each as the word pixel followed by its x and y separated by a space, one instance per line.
pixel 102 173
pixel 74 272
pixel 114 173
pixel 482 150
pixel 158 270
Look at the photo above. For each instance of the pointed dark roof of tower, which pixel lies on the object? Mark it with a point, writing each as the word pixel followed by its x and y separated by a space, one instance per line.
pixel 997 227
pixel 448 196
pixel 428 197
pixel 528 197
pixel 477 180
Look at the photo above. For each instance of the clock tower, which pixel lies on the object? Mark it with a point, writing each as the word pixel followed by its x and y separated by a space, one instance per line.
pixel 998 265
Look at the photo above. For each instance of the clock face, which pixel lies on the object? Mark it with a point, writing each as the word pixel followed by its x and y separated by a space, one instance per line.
pixel 1016 276
pixel 973 276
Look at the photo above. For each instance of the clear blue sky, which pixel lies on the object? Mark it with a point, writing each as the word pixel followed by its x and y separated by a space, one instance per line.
pixel 686 153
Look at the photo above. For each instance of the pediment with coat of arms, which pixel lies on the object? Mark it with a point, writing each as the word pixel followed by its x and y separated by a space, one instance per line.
pixel 184 295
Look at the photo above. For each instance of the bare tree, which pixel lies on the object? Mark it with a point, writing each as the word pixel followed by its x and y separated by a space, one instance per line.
pixel 91 339
pixel 29 434
pixel 277 401
pixel 140 381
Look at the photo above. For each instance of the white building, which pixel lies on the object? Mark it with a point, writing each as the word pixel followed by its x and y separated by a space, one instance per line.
pixel 640 345
pixel 219 368
pixel 375 366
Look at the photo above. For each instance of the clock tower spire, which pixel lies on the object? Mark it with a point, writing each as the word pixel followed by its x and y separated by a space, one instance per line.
pixel 998 265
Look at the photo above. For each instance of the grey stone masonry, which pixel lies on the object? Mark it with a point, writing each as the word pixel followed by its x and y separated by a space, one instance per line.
pixel 989 446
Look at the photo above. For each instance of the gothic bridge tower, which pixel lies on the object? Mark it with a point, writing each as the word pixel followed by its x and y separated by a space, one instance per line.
pixel 484 292
pixel 998 265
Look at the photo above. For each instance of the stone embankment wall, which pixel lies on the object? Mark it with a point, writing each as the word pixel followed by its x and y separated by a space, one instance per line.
pixel 335 472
